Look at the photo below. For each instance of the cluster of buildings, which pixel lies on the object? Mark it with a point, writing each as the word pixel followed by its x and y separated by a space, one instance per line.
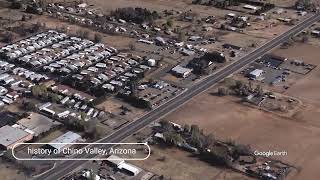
pixel 72 102
pixel 114 72
pixel 32 44
pixel 10 136
pixel 30 75
pixel 16 80
pixel 83 16
pixel 76 61
pixel 7 93
pixel 197 65
pixel 27 128
pixel 13 132
pixel 236 22
pixel 55 52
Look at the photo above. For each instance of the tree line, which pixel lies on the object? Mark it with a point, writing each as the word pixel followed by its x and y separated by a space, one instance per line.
pixel 136 15
pixel 209 148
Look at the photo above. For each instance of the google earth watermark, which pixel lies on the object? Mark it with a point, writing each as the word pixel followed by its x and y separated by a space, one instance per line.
pixel 270 153
pixel 81 151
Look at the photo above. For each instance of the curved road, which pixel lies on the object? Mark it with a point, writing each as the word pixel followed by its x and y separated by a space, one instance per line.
pixel 66 167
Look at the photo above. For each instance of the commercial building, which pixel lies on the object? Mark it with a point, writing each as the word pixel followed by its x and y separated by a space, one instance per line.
pixel 10 136
pixel 255 73
pixel 63 140
pixel 38 123
pixel 180 71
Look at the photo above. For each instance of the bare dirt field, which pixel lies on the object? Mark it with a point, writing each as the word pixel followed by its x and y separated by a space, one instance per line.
pixel 179 165
pixel 8 171
pixel 227 119
pixel 238 39
pixel 285 3
pixel 269 32
pixel 159 5
pixel 307 88
pixel 114 105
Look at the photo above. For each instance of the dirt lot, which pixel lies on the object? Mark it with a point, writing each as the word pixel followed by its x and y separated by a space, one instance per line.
pixel 237 39
pixel 159 5
pixel 114 105
pixel 9 172
pixel 263 131
pixel 307 88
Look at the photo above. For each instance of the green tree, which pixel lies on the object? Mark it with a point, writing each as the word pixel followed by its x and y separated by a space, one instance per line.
pixel 169 22
pixel 97 38
pixel 209 140
pixel 305 4
pixel 222 91
pixel 29 106
pixel 166 125
pixel 181 36
pixel 23 18
pixel 195 136
pixel 186 128
pixel 259 90
pixel 83 116
pixel 250 86
pixel 39 90
pixel 74 123
pixel 173 138
pixel 132 46
pixel 3 55
pixel 90 128
pixel 241 150
pixel 53 97
pixel 219 155
pixel 133 87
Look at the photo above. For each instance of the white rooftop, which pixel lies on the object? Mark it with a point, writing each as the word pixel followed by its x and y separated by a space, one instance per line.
pixel 68 137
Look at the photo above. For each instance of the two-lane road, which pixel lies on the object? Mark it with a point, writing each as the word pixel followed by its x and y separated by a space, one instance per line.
pixel 66 167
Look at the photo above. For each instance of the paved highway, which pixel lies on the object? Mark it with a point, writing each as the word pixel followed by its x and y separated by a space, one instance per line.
pixel 66 167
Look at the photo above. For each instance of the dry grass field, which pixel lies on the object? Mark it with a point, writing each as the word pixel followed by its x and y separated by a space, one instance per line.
pixel 180 165
pixel 227 119
pixel 307 88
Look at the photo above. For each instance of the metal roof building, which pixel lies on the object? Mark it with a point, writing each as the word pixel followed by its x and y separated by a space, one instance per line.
pixel 9 136
pixel 181 71
pixel 256 73
pixel 122 165
pixel 68 137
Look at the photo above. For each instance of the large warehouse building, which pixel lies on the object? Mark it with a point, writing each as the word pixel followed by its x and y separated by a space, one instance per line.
pixel 10 136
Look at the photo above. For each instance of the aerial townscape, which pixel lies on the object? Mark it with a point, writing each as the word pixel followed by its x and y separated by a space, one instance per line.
pixel 159 89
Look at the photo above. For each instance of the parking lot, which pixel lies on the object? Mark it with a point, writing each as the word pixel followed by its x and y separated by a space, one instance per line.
pixel 158 92
pixel 278 71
